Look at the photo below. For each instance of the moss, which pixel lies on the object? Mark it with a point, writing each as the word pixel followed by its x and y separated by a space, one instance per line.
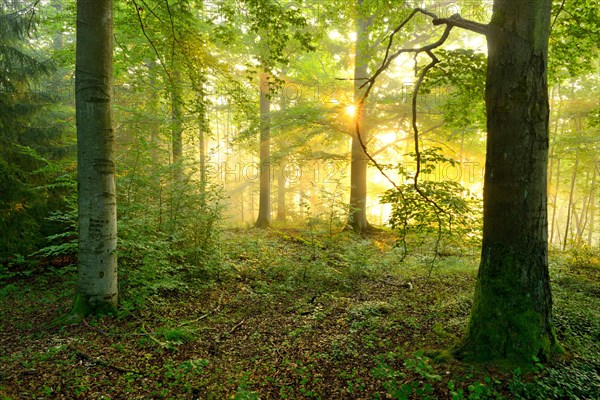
pixel 82 307
pixel 442 356
pixel 506 324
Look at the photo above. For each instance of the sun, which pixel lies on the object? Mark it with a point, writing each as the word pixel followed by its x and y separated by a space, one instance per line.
pixel 351 110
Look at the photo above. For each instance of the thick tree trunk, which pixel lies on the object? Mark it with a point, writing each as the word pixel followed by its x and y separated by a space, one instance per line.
pixel 357 218
pixel 264 203
pixel 511 318
pixel 97 289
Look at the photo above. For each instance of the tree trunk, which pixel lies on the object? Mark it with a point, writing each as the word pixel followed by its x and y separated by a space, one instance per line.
pixel 97 289
pixel 570 204
pixel 281 181
pixel 264 203
pixel 592 209
pixel 203 129
pixel 582 220
pixel 511 317
pixel 357 218
pixel 176 128
pixel 154 112
pixel 555 203
pixel 58 38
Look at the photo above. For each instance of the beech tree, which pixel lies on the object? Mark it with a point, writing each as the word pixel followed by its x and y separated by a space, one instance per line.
pixel 511 317
pixel 97 289
pixel 357 218
pixel 264 206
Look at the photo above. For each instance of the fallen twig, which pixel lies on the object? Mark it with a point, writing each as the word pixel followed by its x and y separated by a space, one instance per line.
pixel 102 362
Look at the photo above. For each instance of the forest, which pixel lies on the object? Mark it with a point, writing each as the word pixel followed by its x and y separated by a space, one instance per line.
pixel 293 199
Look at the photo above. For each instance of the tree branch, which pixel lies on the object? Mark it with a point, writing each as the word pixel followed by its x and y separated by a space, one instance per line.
pixel 162 63
pixel 453 21
pixel 460 22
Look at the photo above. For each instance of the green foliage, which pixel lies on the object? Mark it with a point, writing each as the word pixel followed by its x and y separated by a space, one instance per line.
pixel 573 44
pixel 457 220
pixel 580 255
pixel 277 26
pixel 369 309
pixel 396 383
pixel 178 336
pixel 169 231
pixel 243 392
pixel 63 243
pixel 475 391
pixel 32 141
pixel 578 379
pixel 459 80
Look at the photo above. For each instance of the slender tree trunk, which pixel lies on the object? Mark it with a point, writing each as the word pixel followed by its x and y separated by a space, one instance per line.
pixel 511 317
pixel 202 153
pixel 264 204
pixel 281 181
pixel 153 111
pixel 252 206
pixel 570 204
pixel 555 203
pixel 203 128
pixel 176 128
pixel 97 289
pixel 58 38
pixel 592 209
pixel 242 201
pixel 357 218
pixel 281 177
pixel 582 219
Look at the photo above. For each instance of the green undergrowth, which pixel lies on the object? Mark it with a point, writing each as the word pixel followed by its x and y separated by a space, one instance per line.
pixel 289 314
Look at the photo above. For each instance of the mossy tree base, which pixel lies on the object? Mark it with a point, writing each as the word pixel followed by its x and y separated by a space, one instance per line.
pixel 511 318
pixel 84 306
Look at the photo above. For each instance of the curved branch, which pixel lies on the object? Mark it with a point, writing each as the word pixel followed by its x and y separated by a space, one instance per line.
pixel 453 21
pixel 460 22
pixel 162 64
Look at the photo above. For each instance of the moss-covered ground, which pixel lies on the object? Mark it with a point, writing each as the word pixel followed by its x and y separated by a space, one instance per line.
pixel 290 314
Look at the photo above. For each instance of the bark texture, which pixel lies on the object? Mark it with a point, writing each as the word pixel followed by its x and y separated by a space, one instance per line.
pixel 264 202
pixel 511 318
pixel 97 289
pixel 357 218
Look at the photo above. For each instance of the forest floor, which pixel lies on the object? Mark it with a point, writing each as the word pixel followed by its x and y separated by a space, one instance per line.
pixel 293 315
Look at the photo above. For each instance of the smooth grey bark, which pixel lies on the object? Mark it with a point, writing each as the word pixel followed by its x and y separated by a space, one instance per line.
pixel 357 218
pixel 511 317
pixel 97 289
pixel 264 202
